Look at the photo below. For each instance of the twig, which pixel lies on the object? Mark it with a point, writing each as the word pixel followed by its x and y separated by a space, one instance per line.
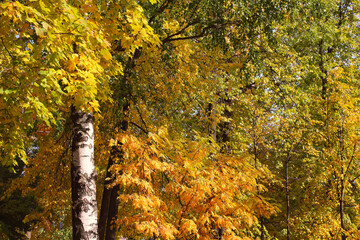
pixel 142 119
pixel 142 129
pixel 2 40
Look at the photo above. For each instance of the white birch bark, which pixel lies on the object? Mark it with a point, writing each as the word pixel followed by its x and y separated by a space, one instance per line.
pixel 83 177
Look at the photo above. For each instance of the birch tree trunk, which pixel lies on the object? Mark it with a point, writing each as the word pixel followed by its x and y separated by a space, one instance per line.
pixel 83 177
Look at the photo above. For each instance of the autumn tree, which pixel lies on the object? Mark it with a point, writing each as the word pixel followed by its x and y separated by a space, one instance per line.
pixel 181 28
pixel 209 117
pixel 73 53
pixel 316 47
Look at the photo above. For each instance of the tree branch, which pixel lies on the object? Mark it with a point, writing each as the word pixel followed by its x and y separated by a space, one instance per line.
pixel 7 50
pixel 142 119
pixel 169 38
pixel 351 160
pixel 138 126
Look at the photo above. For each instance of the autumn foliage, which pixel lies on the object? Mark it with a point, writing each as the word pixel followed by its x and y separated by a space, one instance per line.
pixel 213 119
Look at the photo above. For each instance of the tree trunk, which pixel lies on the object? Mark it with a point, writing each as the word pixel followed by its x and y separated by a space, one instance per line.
pixel 106 199
pixel 224 126
pixel 109 208
pixel 113 211
pixel 110 202
pixel 323 70
pixel 287 199
pixel 212 125
pixel 83 177
pixel 255 151
pixel 342 222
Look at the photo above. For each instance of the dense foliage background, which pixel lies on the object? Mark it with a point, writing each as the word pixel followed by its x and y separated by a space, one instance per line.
pixel 214 119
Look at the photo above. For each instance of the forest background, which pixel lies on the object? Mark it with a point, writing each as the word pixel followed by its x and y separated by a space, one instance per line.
pixel 179 119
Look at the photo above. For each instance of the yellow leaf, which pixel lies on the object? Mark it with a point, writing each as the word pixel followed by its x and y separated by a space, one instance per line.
pixel 188 226
pixel 106 54
pixel 71 65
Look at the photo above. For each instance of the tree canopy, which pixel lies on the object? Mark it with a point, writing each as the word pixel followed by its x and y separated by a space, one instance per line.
pixel 212 119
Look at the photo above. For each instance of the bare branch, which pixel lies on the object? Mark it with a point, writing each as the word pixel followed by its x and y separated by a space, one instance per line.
pixel 142 119
pixel 169 38
pixel 138 126
pixel 7 50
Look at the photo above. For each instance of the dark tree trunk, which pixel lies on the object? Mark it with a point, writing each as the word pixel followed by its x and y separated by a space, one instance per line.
pixel 113 211
pixel 83 177
pixel 110 203
pixel 287 198
pixel 343 237
pixel 224 126
pixel 212 125
pixel 255 152
pixel 323 71
pixel 106 199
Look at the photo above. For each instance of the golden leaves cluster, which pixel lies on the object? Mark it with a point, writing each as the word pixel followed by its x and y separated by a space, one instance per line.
pixel 183 189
